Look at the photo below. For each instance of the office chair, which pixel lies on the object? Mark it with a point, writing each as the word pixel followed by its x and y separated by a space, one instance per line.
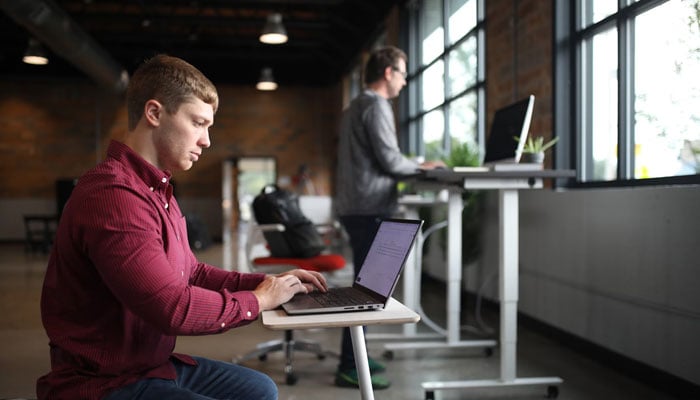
pixel 325 263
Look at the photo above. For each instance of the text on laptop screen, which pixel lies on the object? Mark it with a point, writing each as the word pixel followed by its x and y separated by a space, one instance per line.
pixel 386 256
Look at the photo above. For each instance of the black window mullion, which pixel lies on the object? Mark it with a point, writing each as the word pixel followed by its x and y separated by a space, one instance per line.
pixel 584 110
pixel 625 140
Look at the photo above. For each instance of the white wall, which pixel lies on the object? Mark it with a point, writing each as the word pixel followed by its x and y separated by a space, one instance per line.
pixel 617 267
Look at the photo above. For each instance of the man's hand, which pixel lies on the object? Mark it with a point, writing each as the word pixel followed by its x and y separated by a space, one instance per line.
pixel 278 289
pixel 432 164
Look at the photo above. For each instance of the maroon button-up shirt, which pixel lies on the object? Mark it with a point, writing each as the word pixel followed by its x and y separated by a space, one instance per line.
pixel 122 283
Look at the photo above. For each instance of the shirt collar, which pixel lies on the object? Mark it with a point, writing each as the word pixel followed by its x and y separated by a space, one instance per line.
pixel 151 176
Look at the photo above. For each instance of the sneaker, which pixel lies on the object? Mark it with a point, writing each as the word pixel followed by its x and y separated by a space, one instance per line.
pixel 348 378
pixel 375 366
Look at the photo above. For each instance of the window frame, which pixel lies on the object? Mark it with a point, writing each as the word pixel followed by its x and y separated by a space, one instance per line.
pixel 570 95
pixel 411 114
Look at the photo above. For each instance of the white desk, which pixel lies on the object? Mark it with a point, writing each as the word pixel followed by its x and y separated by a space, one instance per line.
pixel 507 183
pixel 394 313
pixel 440 337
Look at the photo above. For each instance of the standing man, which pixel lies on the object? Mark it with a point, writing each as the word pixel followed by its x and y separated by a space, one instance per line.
pixel 122 283
pixel 369 166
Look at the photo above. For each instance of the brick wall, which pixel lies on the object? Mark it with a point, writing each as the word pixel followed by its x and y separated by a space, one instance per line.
pixel 53 130
pixel 57 129
pixel 519 58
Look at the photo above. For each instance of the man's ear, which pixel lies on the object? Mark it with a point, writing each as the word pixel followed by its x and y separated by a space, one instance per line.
pixel 387 72
pixel 152 111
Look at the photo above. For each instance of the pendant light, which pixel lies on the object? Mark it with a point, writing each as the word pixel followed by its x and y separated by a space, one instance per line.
pixel 35 53
pixel 267 81
pixel 274 32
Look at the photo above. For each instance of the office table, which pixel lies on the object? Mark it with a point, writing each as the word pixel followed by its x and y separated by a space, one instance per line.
pixel 394 313
pixel 410 338
pixel 507 183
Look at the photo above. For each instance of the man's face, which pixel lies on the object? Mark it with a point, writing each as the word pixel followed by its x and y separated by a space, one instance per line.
pixel 181 137
pixel 398 78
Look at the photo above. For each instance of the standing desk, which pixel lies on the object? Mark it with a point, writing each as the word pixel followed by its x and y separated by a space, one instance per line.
pixel 394 313
pixel 507 183
pixel 443 338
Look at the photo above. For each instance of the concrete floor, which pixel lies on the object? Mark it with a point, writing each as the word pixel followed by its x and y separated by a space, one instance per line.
pixel 24 351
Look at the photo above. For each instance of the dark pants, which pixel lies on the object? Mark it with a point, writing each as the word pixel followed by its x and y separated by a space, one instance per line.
pixel 361 230
pixel 209 380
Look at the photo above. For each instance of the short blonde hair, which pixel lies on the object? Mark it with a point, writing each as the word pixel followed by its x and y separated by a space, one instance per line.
pixel 169 80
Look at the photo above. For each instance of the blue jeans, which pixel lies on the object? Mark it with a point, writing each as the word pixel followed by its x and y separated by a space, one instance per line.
pixel 209 380
pixel 361 230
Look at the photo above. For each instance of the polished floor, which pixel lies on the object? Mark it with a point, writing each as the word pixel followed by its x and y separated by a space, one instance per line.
pixel 24 351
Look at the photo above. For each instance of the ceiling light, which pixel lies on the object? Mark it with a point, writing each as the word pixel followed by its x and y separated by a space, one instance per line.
pixel 267 81
pixel 35 54
pixel 274 32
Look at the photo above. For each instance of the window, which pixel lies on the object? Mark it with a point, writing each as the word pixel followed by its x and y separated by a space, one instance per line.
pixel 634 109
pixel 445 45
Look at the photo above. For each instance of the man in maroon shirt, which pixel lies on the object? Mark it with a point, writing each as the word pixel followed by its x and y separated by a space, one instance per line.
pixel 122 283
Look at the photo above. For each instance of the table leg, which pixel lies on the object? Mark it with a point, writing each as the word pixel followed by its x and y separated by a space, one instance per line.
pixel 360 349
pixel 454 264
pixel 449 337
pixel 508 277
pixel 508 294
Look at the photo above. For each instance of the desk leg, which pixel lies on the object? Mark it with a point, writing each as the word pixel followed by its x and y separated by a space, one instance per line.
pixel 508 294
pixel 454 264
pixel 508 279
pixel 409 283
pixel 449 337
pixel 360 349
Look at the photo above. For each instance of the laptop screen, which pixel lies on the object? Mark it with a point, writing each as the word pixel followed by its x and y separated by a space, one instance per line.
pixel 508 123
pixel 387 254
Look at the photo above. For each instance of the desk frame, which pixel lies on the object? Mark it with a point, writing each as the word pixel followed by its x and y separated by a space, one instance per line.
pixel 394 313
pixel 446 338
pixel 507 183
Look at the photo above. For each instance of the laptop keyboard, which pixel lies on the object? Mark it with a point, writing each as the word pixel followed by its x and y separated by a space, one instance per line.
pixel 341 297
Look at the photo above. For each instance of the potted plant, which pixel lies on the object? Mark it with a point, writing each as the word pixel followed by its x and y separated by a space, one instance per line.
pixel 533 151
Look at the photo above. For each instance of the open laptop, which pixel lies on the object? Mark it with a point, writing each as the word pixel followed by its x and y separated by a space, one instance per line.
pixel 376 279
pixel 508 123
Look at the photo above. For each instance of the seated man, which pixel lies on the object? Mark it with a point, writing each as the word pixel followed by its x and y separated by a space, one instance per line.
pixel 122 282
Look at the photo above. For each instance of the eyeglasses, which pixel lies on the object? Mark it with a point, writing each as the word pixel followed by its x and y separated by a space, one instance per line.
pixel 403 73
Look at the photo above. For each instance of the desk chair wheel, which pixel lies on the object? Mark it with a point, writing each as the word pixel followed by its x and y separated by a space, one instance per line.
pixel 291 378
pixel 430 395
pixel 388 355
pixel 552 392
pixel 262 357
pixel 488 351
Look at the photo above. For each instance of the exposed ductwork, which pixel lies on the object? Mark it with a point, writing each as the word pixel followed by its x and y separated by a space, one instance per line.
pixel 50 24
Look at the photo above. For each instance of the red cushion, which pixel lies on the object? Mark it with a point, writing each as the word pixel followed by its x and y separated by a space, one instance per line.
pixel 320 263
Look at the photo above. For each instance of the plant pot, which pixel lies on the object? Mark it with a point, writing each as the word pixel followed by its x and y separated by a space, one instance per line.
pixel 537 158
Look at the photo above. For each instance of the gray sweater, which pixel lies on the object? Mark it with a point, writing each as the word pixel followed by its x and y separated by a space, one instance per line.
pixel 369 159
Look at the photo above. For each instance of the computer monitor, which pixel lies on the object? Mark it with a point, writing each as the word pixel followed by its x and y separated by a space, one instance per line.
pixel 508 123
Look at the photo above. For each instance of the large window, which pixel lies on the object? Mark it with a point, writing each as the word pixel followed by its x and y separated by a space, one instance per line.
pixel 634 106
pixel 445 45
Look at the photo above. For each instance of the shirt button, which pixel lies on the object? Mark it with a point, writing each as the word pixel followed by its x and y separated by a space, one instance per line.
pixel 164 180
pixel 165 205
pixel 151 188
pixel 223 324
pixel 248 314
pixel 183 273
